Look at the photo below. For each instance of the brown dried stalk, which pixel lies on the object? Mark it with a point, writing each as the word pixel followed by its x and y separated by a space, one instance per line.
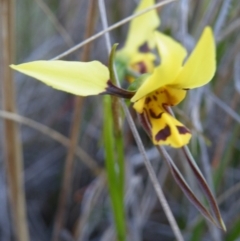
pixel 11 138
pixel 75 127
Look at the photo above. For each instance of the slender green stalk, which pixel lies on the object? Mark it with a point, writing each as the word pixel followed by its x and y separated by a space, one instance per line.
pixel 121 165
pixel 113 141
pixel 114 170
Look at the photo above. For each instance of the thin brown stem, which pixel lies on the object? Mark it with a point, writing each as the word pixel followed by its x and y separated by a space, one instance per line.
pixel 53 134
pixel 12 141
pixel 75 128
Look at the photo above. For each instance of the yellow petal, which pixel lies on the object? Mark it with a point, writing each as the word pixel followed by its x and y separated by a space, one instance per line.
pixel 201 65
pixel 171 52
pixel 79 78
pixel 164 129
pixel 148 59
pixel 141 63
pixel 172 55
pixel 173 96
pixel 139 105
pixel 141 28
pixel 170 131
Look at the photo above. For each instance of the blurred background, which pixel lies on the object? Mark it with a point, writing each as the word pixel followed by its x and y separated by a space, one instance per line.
pixel 41 132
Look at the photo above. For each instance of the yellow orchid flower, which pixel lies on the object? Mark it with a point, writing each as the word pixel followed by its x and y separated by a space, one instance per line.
pixel 141 28
pixel 141 31
pixel 166 86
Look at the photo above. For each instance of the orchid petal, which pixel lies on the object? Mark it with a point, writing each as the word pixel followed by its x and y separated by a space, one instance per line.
pixel 169 131
pixel 172 55
pixel 171 52
pixel 163 128
pixel 79 78
pixel 146 58
pixel 201 65
pixel 141 28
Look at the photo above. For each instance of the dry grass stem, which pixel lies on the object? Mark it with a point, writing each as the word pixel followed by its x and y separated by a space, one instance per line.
pixel 62 31
pixel 75 128
pixel 12 140
pixel 79 152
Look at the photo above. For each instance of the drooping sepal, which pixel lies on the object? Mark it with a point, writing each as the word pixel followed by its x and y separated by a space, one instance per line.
pixel 79 78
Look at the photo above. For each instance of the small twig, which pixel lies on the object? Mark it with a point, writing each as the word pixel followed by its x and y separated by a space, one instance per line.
pixel 75 128
pixel 228 193
pixel 232 27
pixel 225 107
pixel 153 177
pixel 79 152
pixel 89 201
pixel 222 17
pixel 62 31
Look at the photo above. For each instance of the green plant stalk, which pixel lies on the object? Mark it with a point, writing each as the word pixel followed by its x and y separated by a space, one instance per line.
pixel 234 233
pixel 114 170
pixel 116 107
pixel 197 231
pixel 121 165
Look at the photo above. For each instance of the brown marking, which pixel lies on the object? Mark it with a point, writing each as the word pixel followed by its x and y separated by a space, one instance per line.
pixel 153 115
pixel 154 97
pixel 182 130
pixel 148 100
pixel 144 48
pixel 163 134
pixel 142 68
pixel 112 89
pixel 157 92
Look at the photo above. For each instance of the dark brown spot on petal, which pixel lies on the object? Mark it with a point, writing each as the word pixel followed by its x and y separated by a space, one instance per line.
pixel 182 130
pixel 163 134
pixel 142 67
pixel 154 97
pixel 144 48
pixel 155 116
pixel 148 100
pixel 157 92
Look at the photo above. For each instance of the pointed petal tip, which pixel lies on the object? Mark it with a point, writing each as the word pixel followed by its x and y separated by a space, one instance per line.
pixel 200 66
pixel 12 66
pixel 223 226
pixel 148 22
